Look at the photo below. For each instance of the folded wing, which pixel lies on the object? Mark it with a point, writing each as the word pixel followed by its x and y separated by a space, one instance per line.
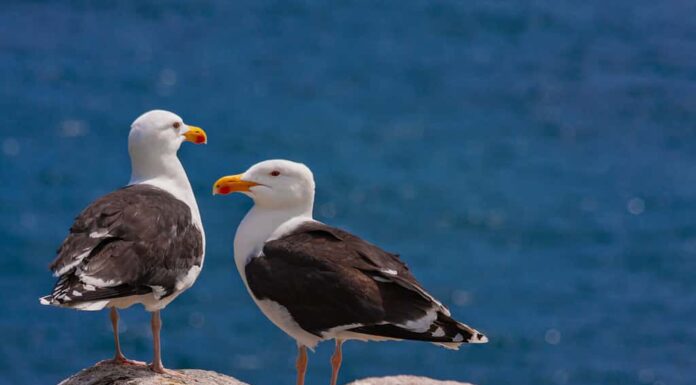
pixel 332 281
pixel 136 240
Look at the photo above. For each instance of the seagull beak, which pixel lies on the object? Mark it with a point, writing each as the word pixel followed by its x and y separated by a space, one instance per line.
pixel 195 135
pixel 232 183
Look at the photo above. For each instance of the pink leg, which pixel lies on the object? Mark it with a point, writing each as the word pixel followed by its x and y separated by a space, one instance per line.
pixel 301 364
pixel 156 365
pixel 119 358
pixel 156 323
pixel 336 361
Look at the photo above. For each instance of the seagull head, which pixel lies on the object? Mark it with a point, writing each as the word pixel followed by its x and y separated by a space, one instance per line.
pixel 272 184
pixel 154 139
pixel 159 131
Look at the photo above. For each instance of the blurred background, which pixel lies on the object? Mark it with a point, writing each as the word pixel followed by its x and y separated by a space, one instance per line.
pixel 532 161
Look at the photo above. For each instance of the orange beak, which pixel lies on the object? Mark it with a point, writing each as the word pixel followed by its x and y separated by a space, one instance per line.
pixel 195 135
pixel 232 183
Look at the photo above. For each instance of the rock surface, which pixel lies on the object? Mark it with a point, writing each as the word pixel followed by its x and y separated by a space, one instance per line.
pixel 111 374
pixel 404 380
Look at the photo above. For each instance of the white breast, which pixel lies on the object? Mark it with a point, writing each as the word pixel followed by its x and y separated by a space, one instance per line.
pixel 254 231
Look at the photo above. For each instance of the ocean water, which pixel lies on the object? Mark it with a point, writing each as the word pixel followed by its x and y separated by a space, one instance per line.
pixel 534 162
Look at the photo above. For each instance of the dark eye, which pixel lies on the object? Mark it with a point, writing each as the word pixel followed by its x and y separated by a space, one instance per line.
pixel 275 173
pixel 176 125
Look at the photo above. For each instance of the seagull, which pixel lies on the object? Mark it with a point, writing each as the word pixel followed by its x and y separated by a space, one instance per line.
pixel 143 243
pixel 316 282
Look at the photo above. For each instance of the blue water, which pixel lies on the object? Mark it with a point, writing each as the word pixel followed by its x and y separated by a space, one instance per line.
pixel 533 161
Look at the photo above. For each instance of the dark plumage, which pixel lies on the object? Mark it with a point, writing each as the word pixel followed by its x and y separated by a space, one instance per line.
pixel 328 278
pixel 135 240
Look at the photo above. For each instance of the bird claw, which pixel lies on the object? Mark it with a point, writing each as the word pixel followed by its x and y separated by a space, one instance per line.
pixel 123 361
pixel 162 370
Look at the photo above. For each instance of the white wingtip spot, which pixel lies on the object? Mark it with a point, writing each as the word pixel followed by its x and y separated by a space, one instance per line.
pixel 478 338
pixel 44 301
pixel 389 271
pixel 458 338
pixel 439 332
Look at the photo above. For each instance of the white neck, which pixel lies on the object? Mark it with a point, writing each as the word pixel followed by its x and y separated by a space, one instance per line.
pixel 263 224
pixel 166 172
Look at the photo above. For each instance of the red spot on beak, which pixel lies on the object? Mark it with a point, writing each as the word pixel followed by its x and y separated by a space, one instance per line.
pixel 200 139
pixel 224 190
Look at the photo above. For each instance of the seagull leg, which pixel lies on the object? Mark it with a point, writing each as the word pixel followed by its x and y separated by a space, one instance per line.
pixel 301 364
pixel 119 358
pixel 156 365
pixel 156 324
pixel 336 361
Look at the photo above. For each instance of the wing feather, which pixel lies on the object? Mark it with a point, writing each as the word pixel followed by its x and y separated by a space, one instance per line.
pixel 328 278
pixel 126 243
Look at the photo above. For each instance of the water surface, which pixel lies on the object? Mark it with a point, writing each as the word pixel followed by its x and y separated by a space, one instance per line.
pixel 532 161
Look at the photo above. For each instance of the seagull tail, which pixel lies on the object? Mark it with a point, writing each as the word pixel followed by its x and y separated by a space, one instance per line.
pixel 458 332
pixel 443 331
pixel 71 292
pixel 88 306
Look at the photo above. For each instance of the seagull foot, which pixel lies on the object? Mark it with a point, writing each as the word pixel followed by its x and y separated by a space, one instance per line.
pixel 125 361
pixel 122 361
pixel 161 370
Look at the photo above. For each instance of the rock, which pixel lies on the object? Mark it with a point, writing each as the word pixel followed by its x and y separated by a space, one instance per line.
pixel 404 380
pixel 111 374
pixel 105 373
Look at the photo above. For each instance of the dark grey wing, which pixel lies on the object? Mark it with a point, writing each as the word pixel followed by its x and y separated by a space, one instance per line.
pixel 328 278
pixel 135 240
pixel 372 260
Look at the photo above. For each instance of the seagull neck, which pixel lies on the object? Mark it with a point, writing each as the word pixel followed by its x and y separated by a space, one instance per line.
pixel 157 169
pixel 166 172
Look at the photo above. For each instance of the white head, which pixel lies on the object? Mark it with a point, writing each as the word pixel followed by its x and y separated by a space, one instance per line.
pixel 273 184
pixel 154 139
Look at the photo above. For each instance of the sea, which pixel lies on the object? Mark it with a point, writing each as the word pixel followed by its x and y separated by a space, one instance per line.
pixel 533 161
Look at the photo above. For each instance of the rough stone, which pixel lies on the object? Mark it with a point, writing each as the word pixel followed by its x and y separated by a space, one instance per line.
pixel 112 374
pixel 404 380
pixel 106 373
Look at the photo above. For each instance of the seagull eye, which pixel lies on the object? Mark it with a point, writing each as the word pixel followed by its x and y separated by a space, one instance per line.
pixel 176 125
pixel 275 173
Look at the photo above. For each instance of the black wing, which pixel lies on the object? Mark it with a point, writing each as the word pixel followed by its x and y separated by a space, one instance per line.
pixel 135 240
pixel 329 278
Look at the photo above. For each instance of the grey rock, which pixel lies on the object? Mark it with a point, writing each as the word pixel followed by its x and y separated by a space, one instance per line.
pixel 105 373
pixel 404 380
